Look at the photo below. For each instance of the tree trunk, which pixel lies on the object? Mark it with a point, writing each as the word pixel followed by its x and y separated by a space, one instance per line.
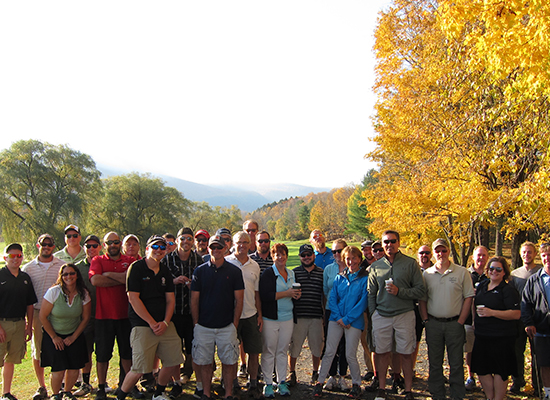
pixel 499 237
pixel 517 241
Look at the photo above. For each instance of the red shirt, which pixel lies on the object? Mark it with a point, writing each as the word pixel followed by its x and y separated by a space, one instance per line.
pixel 112 301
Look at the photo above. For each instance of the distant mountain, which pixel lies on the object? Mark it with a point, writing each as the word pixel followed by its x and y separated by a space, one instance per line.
pixel 227 195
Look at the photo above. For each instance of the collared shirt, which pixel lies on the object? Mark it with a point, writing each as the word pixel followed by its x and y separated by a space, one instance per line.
pixel 310 303
pixel 264 263
pixel 251 276
pixel 446 292
pixel 43 276
pixel 179 267
pixel 285 304
pixel 16 293
pixel 64 255
pixel 324 259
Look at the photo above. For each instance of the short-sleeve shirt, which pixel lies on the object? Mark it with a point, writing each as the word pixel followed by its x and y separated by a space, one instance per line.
pixel 217 293
pixel 65 317
pixel 152 289
pixel 64 255
pixel 502 297
pixel 445 293
pixel 310 303
pixel 251 277
pixel 264 263
pixel 43 275
pixel 111 301
pixel 324 259
pixel 16 294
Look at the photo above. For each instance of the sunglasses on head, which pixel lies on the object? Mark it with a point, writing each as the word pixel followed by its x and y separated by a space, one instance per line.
pixel 158 246
pixel 88 246
pixel 111 242
pixel 392 241
pixel 264 241
pixel 337 251
pixel 73 235
pixel 14 255
pixel 498 269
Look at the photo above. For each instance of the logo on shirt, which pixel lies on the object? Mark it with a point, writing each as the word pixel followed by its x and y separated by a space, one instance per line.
pixel 163 281
pixel 147 278
pixel 3 283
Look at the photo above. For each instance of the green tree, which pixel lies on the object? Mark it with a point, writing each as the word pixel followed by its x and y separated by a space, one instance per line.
pixel 358 222
pixel 45 187
pixel 141 205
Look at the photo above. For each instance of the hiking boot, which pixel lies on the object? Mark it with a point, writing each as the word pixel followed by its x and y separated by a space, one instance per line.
pixel 318 390
pixel 291 378
pixel 41 394
pixel 374 385
pixel 355 391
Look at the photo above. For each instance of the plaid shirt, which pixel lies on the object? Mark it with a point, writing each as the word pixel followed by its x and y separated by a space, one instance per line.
pixel 179 267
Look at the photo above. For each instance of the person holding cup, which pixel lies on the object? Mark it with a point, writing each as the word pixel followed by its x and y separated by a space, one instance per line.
pixel 277 289
pixel 497 307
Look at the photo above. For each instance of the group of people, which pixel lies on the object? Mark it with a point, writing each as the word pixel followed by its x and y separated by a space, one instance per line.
pixel 193 294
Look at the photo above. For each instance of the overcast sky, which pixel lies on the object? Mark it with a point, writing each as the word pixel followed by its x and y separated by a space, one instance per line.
pixel 206 91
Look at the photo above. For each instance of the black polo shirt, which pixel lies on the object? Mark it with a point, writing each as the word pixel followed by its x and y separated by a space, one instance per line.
pixel 16 293
pixel 152 290
pixel 217 293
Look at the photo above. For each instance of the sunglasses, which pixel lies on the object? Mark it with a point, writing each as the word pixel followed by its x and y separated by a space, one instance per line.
pixel 201 240
pixel 158 246
pixel 47 244
pixel 227 240
pixel 216 247
pixel 424 253
pixel 88 246
pixel 498 269
pixel 111 242
pixel 377 250
pixel 190 239
pixel 170 243
pixel 441 251
pixel 251 230
pixel 338 251
pixel 392 241
pixel 66 274
pixel 14 255
pixel 306 254
pixel 74 236
pixel 264 241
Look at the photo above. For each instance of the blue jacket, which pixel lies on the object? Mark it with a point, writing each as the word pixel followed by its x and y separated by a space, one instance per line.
pixel 348 298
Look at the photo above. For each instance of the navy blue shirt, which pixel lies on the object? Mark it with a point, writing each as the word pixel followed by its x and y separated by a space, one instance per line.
pixel 217 293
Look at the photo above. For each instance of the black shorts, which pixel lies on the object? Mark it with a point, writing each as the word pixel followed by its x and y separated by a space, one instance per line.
pixel 74 356
pixel 542 350
pixel 184 327
pixel 106 330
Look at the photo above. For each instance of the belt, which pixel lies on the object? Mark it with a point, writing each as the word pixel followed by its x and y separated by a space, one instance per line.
pixel 11 319
pixel 444 319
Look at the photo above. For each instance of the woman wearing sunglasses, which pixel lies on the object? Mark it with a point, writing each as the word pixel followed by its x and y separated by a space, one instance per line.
pixel 497 307
pixel 64 314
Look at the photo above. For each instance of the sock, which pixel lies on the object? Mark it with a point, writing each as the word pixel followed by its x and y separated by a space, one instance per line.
pixel 253 382
pixel 86 377
pixel 199 386
pixel 121 395
pixel 102 386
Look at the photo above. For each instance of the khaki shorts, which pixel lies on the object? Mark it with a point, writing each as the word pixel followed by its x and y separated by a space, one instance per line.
pixel 145 345
pixel 205 341
pixel 36 343
pixel 400 327
pixel 14 347
pixel 470 337
pixel 312 328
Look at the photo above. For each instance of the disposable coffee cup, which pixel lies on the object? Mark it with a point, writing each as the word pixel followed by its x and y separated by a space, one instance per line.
pixel 296 285
pixel 388 281
pixel 479 307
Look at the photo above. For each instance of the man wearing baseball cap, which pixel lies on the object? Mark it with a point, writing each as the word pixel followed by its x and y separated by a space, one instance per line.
pixel 73 252
pixel 201 242
pixel 151 296
pixel 217 293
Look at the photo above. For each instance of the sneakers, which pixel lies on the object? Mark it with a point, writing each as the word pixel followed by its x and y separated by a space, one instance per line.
pixel 368 376
pixel 343 384
pixel 355 391
pixel 8 396
pixel 176 391
pixel 100 395
pixel 470 383
pixel 41 394
pixel 318 390
pixel 374 385
pixel 57 396
pixel 283 389
pixel 83 390
pixel 380 395
pixel 68 396
pixel 198 394
pixel 398 385
pixel 314 377
pixel 242 371
pixel 162 396
pixel 269 393
pixel 136 393
pixel 332 383
pixel 291 378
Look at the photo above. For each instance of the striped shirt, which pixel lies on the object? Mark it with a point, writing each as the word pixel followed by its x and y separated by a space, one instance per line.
pixel 43 276
pixel 264 263
pixel 310 304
